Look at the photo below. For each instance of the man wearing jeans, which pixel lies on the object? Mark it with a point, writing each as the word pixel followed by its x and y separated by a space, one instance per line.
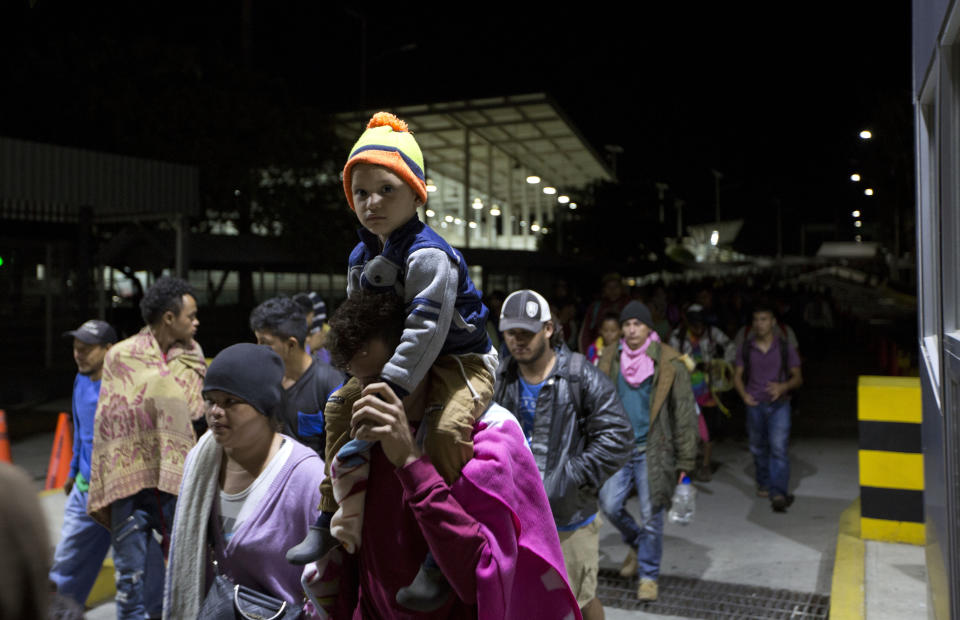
pixel 83 542
pixel 150 396
pixel 654 386
pixel 768 369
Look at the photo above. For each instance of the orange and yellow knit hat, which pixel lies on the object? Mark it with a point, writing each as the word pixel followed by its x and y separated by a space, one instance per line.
pixel 388 142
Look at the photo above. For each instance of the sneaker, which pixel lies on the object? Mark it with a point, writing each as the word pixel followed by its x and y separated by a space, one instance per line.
pixel 780 503
pixel 762 492
pixel 647 590
pixel 629 568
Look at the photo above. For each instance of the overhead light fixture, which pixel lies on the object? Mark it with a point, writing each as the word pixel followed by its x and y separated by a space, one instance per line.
pixel 549 191
pixel 858 224
pixel 448 218
pixel 544 230
pixel 431 187
pixel 868 191
pixel 495 210
pixel 431 212
pixel 858 238
pixel 866 134
pixel 473 224
pixel 714 238
pixel 533 179
pixel 443 224
pixel 523 224
pixel 477 203
pixel 458 221
pixel 573 206
pixel 563 199
pixel 534 227
pixel 855 177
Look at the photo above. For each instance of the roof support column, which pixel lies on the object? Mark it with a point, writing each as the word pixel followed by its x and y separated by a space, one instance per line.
pixel 507 211
pixel 465 210
pixel 491 220
pixel 525 212
pixel 181 259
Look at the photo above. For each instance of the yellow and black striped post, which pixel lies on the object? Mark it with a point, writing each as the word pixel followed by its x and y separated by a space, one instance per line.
pixel 891 459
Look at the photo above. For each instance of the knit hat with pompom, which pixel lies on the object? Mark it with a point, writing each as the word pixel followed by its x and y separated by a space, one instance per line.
pixel 388 142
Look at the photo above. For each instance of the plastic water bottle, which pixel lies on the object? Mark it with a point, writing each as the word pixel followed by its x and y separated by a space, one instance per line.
pixel 684 497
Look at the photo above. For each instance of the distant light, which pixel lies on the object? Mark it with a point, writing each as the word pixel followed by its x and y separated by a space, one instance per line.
pixel 533 179
pixel 458 221
pixel 431 212
pixel 858 224
pixel 448 218
pixel 855 214
pixel 858 238
pixel 868 191
pixel 714 237
pixel 495 210
pixel 443 224
pixel 1 261
pixel 855 177
pixel 523 224
pixel 477 203
pixel 431 187
pixel 550 191
pixel 544 230
pixel 473 224
pixel 865 134
pixel 534 227
pixel 563 199
pixel 573 206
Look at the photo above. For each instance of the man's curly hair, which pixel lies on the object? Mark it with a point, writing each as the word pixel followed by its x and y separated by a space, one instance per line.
pixel 165 294
pixel 363 317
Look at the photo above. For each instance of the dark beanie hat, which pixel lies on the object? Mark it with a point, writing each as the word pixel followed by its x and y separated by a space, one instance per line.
pixel 636 310
pixel 252 372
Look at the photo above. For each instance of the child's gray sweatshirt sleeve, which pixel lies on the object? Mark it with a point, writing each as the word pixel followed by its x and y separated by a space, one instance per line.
pixel 430 292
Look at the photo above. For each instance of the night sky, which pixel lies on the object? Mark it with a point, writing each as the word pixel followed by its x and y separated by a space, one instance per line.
pixel 771 97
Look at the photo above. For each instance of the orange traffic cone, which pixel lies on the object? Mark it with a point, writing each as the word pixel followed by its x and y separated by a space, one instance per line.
pixel 4 439
pixel 61 454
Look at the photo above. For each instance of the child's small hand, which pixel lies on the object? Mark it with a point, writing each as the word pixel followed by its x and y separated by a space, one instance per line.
pixel 378 415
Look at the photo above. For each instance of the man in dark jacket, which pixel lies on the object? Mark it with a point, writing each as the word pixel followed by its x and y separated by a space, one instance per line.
pixel 576 426
pixel 654 386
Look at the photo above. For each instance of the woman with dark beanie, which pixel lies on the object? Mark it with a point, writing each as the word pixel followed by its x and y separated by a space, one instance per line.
pixel 248 492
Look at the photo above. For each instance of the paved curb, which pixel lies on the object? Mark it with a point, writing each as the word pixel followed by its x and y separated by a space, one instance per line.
pixel 847 592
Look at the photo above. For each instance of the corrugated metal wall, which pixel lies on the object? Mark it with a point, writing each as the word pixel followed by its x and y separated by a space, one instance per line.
pixel 42 182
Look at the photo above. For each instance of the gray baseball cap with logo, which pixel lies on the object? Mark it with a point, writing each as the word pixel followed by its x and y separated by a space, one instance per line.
pixel 524 309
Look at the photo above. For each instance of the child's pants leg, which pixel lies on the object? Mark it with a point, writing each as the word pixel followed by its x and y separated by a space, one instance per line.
pixel 336 415
pixel 453 407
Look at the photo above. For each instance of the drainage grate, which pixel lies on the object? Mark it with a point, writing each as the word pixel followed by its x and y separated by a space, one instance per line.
pixel 696 598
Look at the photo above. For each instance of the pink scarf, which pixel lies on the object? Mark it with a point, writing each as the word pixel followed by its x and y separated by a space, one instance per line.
pixel 635 365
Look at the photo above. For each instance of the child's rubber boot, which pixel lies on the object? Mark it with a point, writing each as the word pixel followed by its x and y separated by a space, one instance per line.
pixel 314 546
pixel 429 590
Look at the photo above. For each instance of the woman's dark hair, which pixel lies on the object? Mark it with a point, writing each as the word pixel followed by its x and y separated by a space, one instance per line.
pixel 363 317
pixel 165 294
pixel 282 317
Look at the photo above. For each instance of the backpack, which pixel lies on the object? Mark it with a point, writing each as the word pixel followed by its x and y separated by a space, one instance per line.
pixel 577 362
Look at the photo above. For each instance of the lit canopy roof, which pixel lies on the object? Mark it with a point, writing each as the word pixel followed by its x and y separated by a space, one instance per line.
pixel 513 136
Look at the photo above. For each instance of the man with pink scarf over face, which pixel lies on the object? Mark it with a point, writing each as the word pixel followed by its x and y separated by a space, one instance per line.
pixel 654 386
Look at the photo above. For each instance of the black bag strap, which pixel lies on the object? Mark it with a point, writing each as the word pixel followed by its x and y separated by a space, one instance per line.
pixel 574 383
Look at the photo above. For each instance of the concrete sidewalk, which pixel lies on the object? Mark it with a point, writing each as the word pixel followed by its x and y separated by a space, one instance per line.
pixel 735 537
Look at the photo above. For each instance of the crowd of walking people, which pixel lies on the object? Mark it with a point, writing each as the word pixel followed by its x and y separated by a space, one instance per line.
pixel 422 452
